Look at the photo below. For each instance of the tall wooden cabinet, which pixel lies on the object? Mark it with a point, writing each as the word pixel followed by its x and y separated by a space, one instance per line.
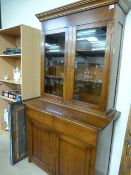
pixel 27 40
pixel 70 126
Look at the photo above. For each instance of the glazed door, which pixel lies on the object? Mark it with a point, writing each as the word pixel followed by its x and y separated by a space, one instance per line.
pixel 40 145
pixel 91 60
pixel 73 157
pixel 54 63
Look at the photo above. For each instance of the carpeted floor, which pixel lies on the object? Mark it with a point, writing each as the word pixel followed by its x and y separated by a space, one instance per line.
pixel 21 168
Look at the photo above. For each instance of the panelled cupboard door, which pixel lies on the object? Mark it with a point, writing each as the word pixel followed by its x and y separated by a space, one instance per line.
pixel 41 146
pixel 54 63
pixel 125 167
pixel 73 157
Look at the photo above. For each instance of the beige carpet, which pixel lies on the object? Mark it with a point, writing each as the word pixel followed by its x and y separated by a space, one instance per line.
pixel 21 168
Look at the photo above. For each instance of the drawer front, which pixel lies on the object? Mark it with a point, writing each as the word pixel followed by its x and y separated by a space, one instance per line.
pixel 39 116
pixel 63 125
pixel 78 131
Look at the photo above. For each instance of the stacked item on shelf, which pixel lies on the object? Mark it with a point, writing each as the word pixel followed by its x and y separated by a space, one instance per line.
pixel 10 51
pixel 13 94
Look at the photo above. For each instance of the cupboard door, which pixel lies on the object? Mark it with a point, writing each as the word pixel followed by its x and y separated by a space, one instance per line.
pixel 125 166
pixel 41 146
pixel 55 60
pixel 74 157
pixel 92 45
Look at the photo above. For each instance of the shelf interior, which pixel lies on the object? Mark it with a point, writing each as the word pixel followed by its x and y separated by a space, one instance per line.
pixel 8 99
pixel 7 66
pixel 9 42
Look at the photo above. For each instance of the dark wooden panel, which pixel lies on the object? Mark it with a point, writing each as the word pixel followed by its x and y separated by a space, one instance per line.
pixel 41 146
pixel 115 61
pixel 80 6
pixel 41 139
pixel 103 14
pixel 77 159
pixel 18 132
pixel 103 150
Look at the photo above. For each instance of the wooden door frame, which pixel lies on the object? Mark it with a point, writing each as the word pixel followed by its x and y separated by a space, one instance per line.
pixel 48 32
pixel 106 68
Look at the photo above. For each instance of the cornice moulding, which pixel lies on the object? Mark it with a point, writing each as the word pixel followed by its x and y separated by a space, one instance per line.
pixel 80 6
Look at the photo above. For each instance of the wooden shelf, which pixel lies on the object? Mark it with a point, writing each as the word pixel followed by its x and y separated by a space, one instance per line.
pixel 8 99
pixel 54 76
pixel 11 82
pixel 90 81
pixel 13 55
pixel 11 31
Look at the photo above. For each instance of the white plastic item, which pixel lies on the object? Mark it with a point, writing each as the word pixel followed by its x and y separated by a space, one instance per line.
pixel 6 119
pixel 17 74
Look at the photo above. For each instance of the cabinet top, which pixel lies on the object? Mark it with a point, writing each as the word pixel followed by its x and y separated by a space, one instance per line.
pixel 14 30
pixel 80 6
pixel 84 117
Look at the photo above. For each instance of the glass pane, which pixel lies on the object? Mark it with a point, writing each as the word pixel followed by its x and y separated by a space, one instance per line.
pixel 54 63
pixel 90 53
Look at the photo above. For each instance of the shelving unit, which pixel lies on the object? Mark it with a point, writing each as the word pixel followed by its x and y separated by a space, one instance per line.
pixel 28 61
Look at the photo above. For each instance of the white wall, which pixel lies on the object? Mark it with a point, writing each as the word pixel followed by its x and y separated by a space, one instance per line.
pixel 16 12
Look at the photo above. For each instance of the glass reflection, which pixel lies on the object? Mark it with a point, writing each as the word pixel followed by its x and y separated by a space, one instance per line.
pixel 54 63
pixel 90 53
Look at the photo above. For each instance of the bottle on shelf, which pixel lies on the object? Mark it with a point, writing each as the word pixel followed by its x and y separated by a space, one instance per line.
pixel 17 74
pixel 6 119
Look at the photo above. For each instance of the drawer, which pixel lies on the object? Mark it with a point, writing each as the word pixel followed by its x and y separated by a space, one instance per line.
pixel 39 116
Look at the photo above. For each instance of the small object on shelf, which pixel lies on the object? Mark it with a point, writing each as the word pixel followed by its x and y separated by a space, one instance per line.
pixel 6 119
pixel 14 94
pixel 11 51
pixel 5 93
pixel 5 77
pixel 17 74
pixel 60 70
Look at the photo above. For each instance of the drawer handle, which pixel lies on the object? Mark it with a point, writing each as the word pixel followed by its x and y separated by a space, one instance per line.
pixel 54 112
